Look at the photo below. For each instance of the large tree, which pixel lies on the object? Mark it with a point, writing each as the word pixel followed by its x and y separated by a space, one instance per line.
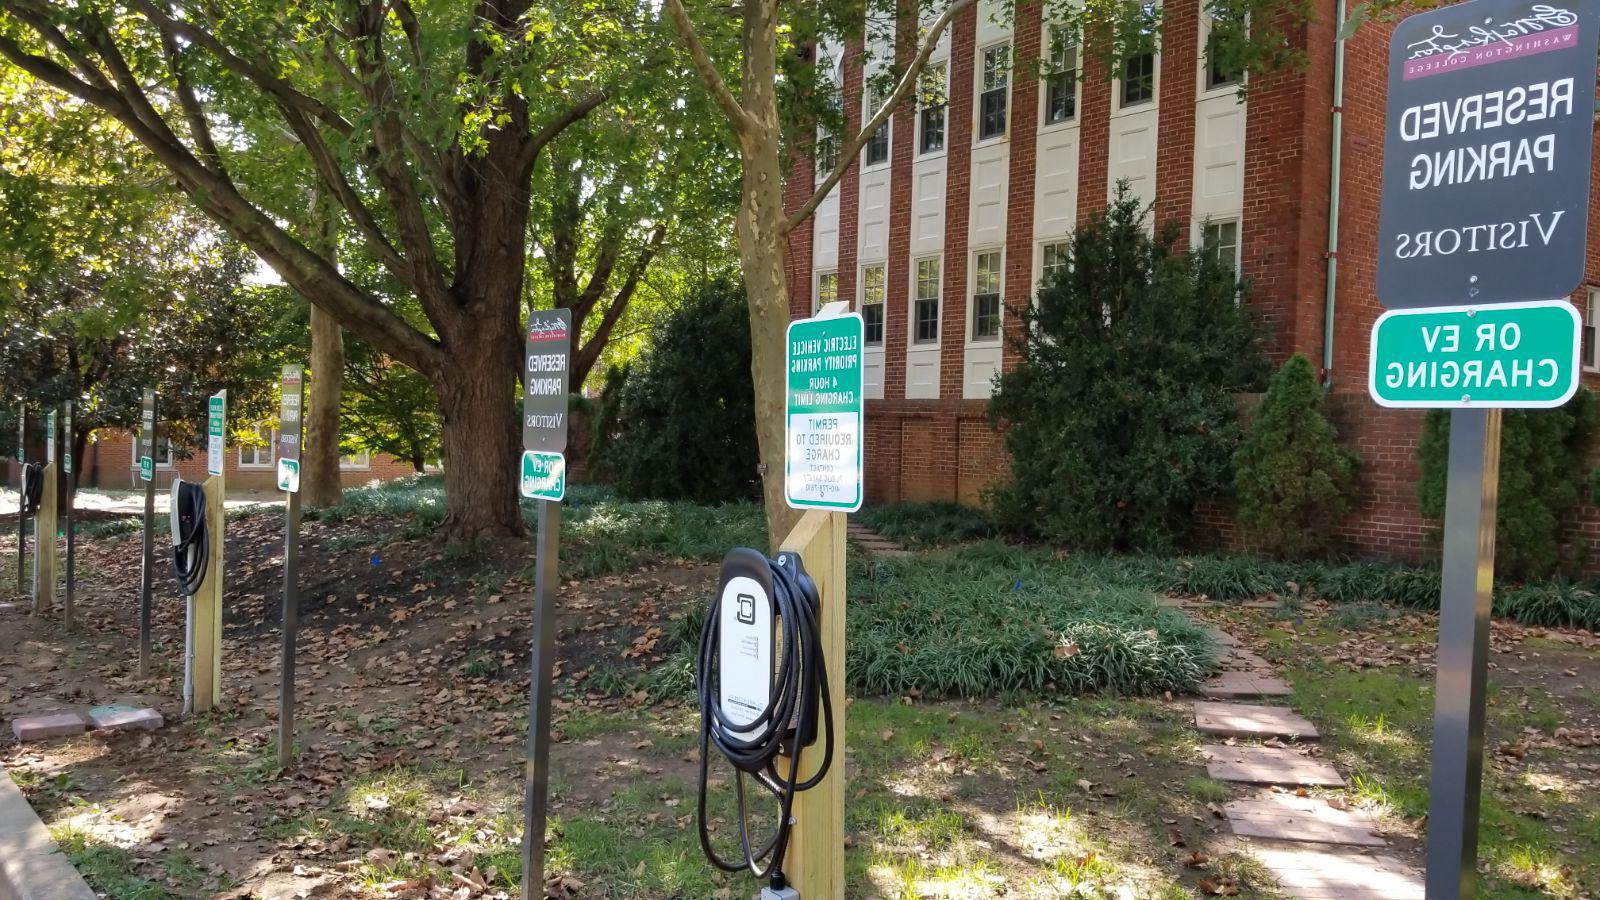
pixel 423 122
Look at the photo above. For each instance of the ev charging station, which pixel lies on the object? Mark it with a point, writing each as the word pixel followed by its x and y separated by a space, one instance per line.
pixel 44 523
pixel 197 524
pixel 772 650
pixel 22 498
pixel 147 473
pixel 292 387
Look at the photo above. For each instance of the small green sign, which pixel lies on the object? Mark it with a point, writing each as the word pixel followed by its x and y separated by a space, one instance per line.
pixel 1509 355
pixel 216 422
pixel 147 468
pixel 823 440
pixel 544 475
pixel 289 475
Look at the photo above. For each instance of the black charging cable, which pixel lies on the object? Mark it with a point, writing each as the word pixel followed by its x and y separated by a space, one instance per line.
pixel 753 747
pixel 191 547
pixel 32 488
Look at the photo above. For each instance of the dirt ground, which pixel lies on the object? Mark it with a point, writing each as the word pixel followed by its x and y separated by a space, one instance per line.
pixel 411 714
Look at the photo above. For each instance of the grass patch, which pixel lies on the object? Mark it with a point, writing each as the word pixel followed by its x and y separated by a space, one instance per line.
pixel 109 869
pixel 920 525
pixel 995 620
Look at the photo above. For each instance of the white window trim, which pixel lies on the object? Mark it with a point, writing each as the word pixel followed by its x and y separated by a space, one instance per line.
pixel 866 116
pixel 1038 259
pixel 977 96
pixel 972 299
pixel 912 345
pixel 171 457
pixel 272 454
pixel 1591 318
pixel 816 288
pixel 1117 109
pixel 1044 87
pixel 1238 237
pixel 366 463
pixel 1202 78
pixel 917 153
pixel 861 304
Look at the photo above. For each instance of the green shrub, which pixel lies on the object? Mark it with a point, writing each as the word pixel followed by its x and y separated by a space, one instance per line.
pixel 1120 415
pixel 1294 482
pixel 1541 453
pixel 685 421
pixel 927 524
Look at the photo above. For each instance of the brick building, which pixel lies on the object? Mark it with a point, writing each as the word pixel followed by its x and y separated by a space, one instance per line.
pixel 110 462
pixel 954 210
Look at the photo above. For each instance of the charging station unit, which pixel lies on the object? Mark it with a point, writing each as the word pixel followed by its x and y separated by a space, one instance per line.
pixel 45 502
pixel 197 524
pixel 764 683
pixel 22 498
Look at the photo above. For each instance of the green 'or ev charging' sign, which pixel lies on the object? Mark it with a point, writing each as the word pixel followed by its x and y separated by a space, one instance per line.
pixel 1509 355
pixel 823 446
pixel 544 475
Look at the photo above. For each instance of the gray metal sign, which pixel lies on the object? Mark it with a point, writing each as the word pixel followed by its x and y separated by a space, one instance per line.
pixel 147 437
pixel 544 380
pixel 1486 153
pixel 289 428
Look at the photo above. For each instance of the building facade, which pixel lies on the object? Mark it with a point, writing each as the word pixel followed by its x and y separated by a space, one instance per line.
pixel 111 462
pixel 953 213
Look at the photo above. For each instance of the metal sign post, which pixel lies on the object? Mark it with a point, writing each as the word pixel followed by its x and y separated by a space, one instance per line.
pixel 44 526
pixel 22 490
pixel 67 444
pixel 289 434
pixel 1482 230
pixel 147 472
pixel 548 362
pixel 823 447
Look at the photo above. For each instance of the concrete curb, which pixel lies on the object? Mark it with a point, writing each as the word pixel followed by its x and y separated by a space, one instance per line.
pixel 31 865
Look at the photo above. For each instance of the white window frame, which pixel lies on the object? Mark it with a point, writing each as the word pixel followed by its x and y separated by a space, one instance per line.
pixel 882 303
pixel 978 92
pixel 1238 238
pixel 1589 352
pixel 1204 87
pixel 1039 266
pixel 1049 72
pixel 271 450
pixel 160 443
pixel 816 289
pixel 347 463
pixel 972 299
pixel 942 65
pixel 870 103
pixel 938 316
pixel 1120 108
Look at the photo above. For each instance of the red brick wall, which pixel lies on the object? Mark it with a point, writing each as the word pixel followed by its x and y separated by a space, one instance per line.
pixel 850 184
pixel 1024 145
pixel 1180 36
pixel 897 296
pixel 958 204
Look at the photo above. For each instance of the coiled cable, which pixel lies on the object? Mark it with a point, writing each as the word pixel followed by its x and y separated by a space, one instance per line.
pixel 190 542
pixel 32 488
pixel 753 747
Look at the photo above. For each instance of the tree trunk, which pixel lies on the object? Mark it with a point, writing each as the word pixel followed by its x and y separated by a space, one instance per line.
pixel 761 244
pixel 482 448
pixel 418 464
pixel 320 484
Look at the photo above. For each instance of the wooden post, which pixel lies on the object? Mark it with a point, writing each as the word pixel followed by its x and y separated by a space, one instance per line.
pixel 815 862
pixel 206 665
pixel 44 545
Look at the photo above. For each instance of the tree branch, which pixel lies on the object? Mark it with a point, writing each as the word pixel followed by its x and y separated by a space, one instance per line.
pixel 569 117
pixel 199 129
pixel 908 81
pixel 738 117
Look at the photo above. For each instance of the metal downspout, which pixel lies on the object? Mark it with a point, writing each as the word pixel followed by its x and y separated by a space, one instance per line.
pixel 1330 299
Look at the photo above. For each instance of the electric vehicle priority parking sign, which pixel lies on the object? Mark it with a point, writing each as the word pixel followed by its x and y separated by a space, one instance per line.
pixel 822 442
pixel 216 426
pixel 290 428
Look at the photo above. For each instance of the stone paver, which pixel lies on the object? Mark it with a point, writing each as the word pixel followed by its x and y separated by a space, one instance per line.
pixel 1268 765
pixel 1240 658
pixel 1250 720
pixel 38 728
pixel 1339 873
pixel 124 718
pixel 1241 685
pixel 1286 817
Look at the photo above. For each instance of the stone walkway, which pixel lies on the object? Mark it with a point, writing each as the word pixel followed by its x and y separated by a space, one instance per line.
pixel 1288 804
pixel 874 543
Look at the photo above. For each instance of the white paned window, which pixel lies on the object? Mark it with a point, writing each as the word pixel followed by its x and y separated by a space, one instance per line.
pixel 1053 259
pixel 258 453
pixel 933 95
pixel 986 296
pixel 876 152
pixel 872 306
pixel 1061 77
pixel 995 91
pixel 827 290
pixel 1221 240
pixel 359 460
pixel 925 310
